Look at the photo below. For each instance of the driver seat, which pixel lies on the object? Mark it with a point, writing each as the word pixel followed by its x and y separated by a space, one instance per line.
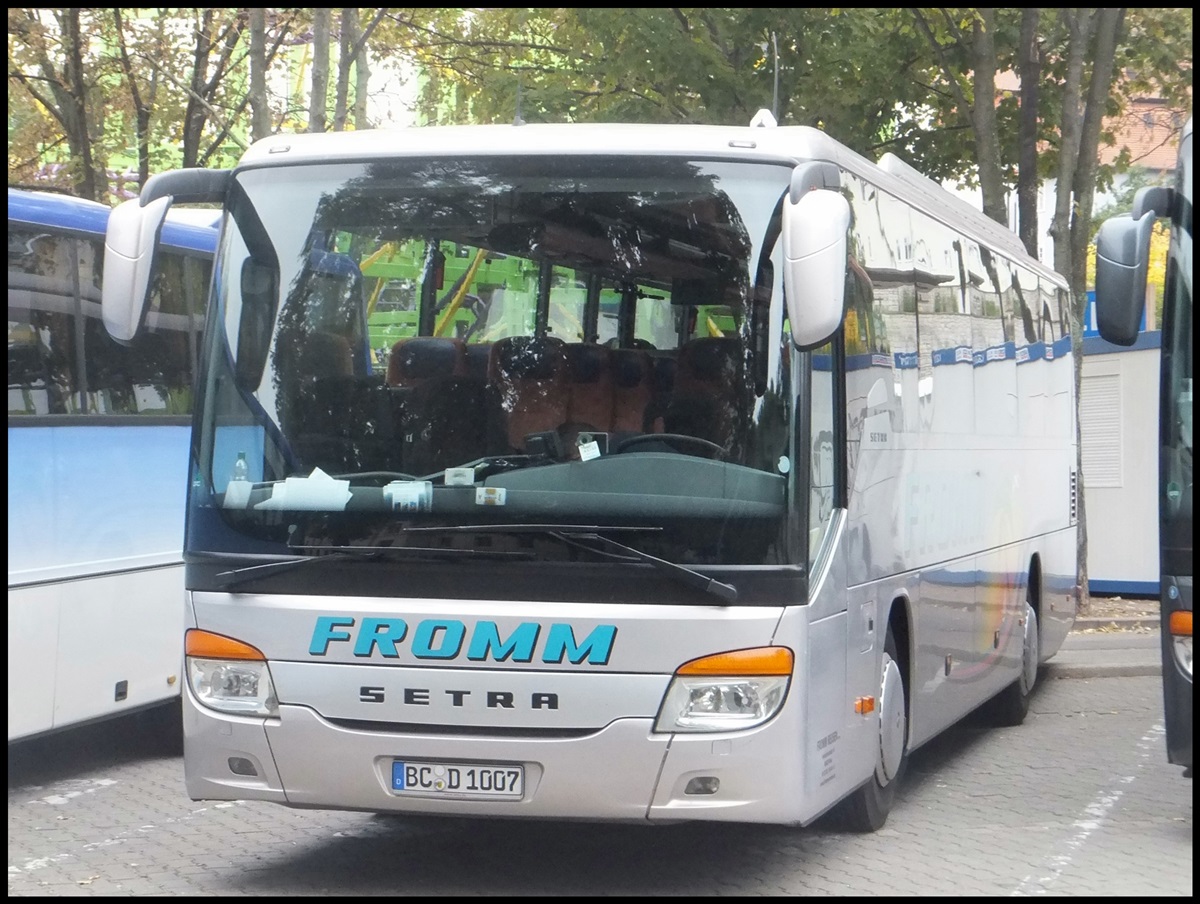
pixel 705 401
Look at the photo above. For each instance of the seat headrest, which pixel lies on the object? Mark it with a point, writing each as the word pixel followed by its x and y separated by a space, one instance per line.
pixel 631 367
pixel 477 355
pixel 664 373
pixel 331 263
pixel 710 358
pixel 586 363
pixel 426 356
pixel 528 357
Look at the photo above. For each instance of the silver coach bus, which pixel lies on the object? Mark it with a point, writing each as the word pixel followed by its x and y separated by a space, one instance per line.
pixel 705 472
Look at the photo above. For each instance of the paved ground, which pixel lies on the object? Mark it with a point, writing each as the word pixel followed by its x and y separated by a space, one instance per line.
pixel 1114 638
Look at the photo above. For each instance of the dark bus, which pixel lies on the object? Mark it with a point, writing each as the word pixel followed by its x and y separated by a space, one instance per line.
pixel 1122 249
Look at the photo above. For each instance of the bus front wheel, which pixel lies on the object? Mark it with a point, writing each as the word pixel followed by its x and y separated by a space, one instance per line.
pixel 866 810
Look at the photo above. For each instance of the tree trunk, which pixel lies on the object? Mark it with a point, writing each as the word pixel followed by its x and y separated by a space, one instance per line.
pixel 1029 65
pixel 72 92
pixel 362 77
pixel 983 116
pixel 318 101
pixel 213 33
pixel 142 107
pixel 193 114
pixel 346 43
pixel 1080 24
pixel 260 112
pixel 1103 58
pixel 1075 196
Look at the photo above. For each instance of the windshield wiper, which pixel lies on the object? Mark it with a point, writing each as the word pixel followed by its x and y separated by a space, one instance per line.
pixel 684 574
pixel 583 536
pixel 528 528
pixel 238 576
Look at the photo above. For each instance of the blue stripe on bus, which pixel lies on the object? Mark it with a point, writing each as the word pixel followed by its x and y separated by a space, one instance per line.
pixel 65 212
pixel 1123 588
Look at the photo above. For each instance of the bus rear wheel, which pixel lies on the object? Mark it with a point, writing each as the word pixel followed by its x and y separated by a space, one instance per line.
pixel 1011 705
pixel 866 810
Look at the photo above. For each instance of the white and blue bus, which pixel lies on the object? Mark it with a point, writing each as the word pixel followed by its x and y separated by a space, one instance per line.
pixel 711 470
pixel 97 464
pixel 1122 261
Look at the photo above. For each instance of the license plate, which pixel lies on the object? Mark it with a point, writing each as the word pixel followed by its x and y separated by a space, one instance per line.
pixel 458 779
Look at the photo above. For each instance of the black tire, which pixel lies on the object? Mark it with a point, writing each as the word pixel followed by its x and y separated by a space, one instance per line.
pixel 866 810
pixel 1011 705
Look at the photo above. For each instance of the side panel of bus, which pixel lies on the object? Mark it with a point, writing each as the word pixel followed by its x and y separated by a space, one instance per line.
pixel 97 464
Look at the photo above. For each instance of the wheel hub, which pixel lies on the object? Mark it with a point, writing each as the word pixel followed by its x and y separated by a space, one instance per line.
pixel 1029 652
pixel 891 722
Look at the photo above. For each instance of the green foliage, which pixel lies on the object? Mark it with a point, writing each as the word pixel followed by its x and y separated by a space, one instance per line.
pixel 878 79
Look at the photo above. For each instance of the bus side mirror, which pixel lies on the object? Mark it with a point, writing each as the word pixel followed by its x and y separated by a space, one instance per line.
pixel 814 275
pixel 129 243
pixel 1122 260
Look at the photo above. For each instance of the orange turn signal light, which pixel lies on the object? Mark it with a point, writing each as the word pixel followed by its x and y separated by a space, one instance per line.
pixel 864 705
pixel 205 645
pixel 755 661
pixel 1180 624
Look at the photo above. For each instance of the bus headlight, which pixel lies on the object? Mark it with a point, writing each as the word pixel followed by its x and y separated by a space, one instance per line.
pixel 1183 654
pixel 229 676
pixel 726 692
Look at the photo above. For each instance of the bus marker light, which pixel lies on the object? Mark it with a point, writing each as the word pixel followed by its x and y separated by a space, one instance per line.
pixel 1181 624
pixel 864 705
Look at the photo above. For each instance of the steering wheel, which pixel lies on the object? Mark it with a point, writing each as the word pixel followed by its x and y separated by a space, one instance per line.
pixel 671 439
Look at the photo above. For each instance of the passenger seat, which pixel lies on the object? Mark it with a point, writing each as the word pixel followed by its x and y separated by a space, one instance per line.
pixel 441 408
pixel 528 387
pixel 706 398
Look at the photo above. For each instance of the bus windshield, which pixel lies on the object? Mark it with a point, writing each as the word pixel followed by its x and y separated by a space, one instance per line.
pixel 490 342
